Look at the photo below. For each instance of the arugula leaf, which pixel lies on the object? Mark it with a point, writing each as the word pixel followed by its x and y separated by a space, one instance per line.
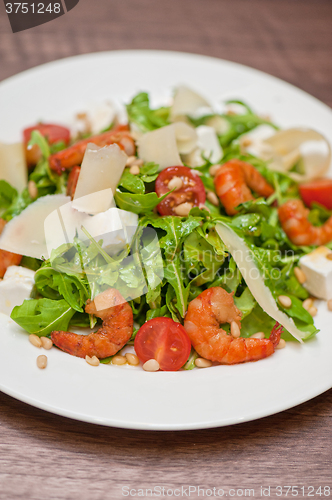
pixel 138 203
pixel 147 119
pixel 42 316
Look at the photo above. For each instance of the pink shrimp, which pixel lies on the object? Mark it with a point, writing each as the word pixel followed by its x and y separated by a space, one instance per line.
pixel 293 218
pixel 116 330
pixel 206 313
pixel 233 181
pixel 7 258
pixel 68 158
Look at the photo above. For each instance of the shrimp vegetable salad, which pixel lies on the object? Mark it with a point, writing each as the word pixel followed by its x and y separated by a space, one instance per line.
pixel 186 235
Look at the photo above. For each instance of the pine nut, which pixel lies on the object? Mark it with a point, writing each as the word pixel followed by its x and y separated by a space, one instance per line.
pixel 307 303
pixel 235 330
pixel 329 256
pixel 119 360
pixel 134 170
pixel 132 359
pixel 35 340
pixel 213 198
pixel 130 161
pixel 281 344
pixel 312 311
pixel 299 275
pixel 258 335
pixel 175 183
pixel 203 363
pixel 46 343
pixel 329 305
pixel 32 189
pixel 151 366
pixel 204 207
pixel 214 169
pixel 285 301
pixel 183 209
pixel 246 142
pixel 42 362
pixel 93 361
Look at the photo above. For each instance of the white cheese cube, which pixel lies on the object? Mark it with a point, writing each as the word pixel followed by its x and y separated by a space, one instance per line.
pixel 318 271
pixel 15 287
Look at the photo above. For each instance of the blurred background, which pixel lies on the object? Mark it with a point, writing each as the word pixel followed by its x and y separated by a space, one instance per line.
pixel 290 39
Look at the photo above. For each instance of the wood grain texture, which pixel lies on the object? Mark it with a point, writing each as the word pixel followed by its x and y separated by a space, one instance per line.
pixel 43 456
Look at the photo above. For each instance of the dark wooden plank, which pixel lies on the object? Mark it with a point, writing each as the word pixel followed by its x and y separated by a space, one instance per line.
pixel 46 456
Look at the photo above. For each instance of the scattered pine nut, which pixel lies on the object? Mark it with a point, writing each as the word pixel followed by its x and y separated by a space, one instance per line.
pixel 307 303
pixel 119 360
pixel 329 256
pixel 203 363
pixel 32 189
pixel 183 209
pixel 46 343
pixel 130 161
pixel 134 170
pixel 299 275
pixel 35 340
pixel 246 142
pixel 285 301
pixel 205 208
pixel 312 311
pixel 42 362
pixel 329 305
pixel 235 330
pixel 132 359
pixel 258 335
pixel 214 169
pixel 93 361
pixel 213 198
pixel 151 365
pixel 175 183
pixel 281 344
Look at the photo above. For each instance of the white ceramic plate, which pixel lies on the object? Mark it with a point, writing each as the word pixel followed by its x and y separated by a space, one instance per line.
pixel 125 396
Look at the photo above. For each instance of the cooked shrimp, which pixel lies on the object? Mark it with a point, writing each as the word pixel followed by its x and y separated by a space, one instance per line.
pixel 68 158
pixel 233 181
pixel 206 313
pixel 116 330
pixel 293 218
pixel 7 258
pixel 72 181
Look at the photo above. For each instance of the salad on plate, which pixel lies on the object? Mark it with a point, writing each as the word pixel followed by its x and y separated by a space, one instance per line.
pixel 177 237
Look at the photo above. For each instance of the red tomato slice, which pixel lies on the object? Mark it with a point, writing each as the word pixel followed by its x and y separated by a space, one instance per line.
pixel 319 191
pixel 53 133
pixel 164 340
pixel 192 189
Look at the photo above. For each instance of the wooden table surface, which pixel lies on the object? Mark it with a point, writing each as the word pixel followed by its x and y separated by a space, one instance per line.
pixel 43 456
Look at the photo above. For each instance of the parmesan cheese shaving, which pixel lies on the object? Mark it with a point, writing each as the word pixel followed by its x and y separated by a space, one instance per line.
pixel 160 146
pixel 187 102
pixel 100 174
pixel 13 168
pixel 24 234
pixel 252 276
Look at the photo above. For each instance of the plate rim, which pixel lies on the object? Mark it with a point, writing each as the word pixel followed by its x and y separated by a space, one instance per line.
pixel 160 426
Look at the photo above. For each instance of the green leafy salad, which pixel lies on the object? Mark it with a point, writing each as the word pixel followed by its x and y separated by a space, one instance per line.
pixel 171 257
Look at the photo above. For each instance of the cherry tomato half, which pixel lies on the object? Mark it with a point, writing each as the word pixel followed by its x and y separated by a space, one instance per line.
pixel 192 189
pixel 319 191
pixel 164 340
pixel 53 133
